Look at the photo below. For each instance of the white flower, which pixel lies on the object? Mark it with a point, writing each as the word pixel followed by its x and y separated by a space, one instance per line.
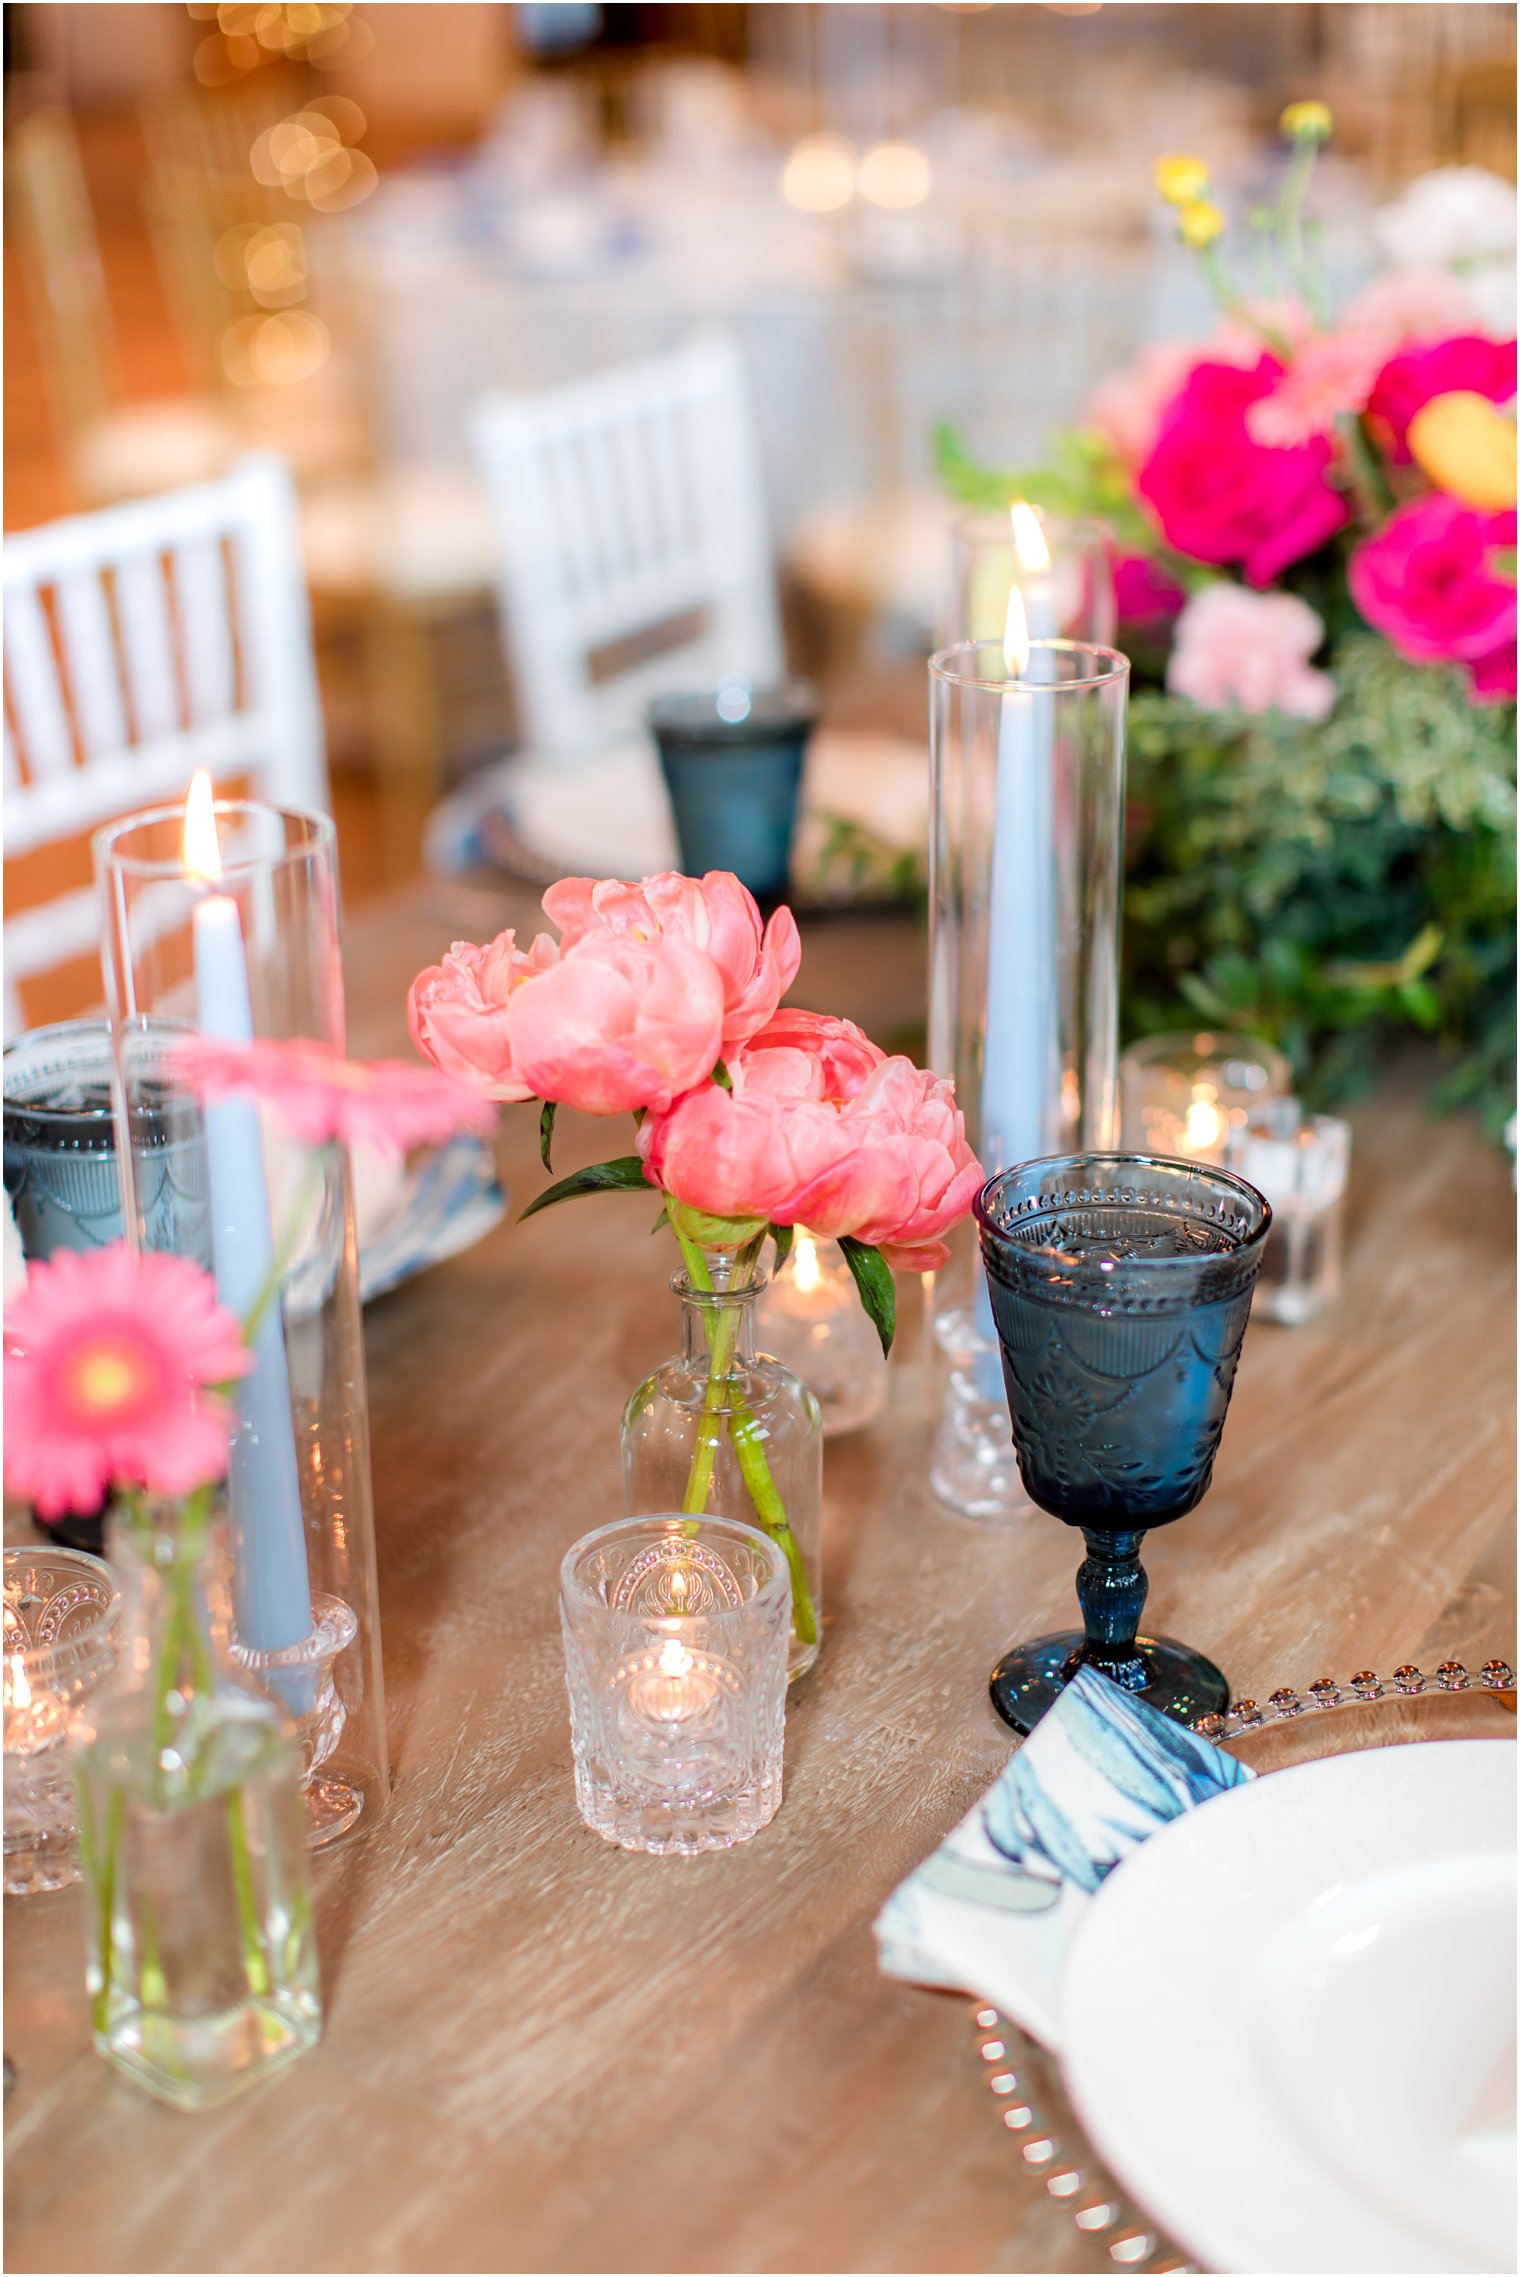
pixel 1458 214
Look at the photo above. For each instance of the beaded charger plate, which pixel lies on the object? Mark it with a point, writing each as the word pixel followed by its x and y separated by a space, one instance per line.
pixel 1290 1727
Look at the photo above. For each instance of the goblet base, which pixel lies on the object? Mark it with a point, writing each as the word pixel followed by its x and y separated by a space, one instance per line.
pixel 1031 1677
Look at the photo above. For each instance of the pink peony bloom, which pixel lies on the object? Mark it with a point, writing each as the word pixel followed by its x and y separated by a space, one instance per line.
pixel 110 1365
pixel 1143 590
pixel 1465 365
pixel 1241 651
pixel 386 1105
pixel 1126 408
pixel 716 912
pixel 1219 496
pixel 1330 374
pixel 1427 583
pixel 457 1011
pixel 1412 304
pixel 821 1128
pixel 619 1023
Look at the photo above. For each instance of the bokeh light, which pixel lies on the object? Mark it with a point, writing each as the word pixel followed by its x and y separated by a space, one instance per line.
pixel 895 174
pixel 274 351
pixel 819 177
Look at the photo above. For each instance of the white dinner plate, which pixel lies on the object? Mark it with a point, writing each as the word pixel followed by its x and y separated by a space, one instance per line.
pixel 1288 2019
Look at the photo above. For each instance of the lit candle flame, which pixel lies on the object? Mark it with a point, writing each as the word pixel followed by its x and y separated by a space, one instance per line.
pixel 806 1270
pixel 1203 1125
pixel 1016 637
pixel 1029 539
pixel 678 1586
pixel 202 854
pixel 18 1692
pixel 675 1660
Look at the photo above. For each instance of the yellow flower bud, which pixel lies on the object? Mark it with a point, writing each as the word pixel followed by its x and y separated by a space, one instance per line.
pixel 1199 223
pixel 1306 122
pixel 1464 445
pixel 1181 179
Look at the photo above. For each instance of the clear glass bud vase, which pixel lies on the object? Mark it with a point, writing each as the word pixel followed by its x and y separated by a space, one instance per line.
pixel 721 1431
pixel 202 1966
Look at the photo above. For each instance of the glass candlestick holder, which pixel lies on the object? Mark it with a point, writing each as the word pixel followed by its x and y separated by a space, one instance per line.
pixel 1184 1094
pixel 229 927
pixel 986 563
pixel 675 1659
pixel 61 1617
pixel 810 1318
pixel 1300 1162
pixel 1025 864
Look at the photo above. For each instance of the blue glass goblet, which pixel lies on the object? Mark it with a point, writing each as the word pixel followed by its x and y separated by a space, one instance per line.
pixel 1120 1287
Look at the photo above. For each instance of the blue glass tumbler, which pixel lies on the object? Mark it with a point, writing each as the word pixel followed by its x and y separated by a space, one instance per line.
pixel 1121 1285
pixel 733 766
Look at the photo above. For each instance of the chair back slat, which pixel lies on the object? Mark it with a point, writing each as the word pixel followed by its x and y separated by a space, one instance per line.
pixel 182 641
pixel 629 506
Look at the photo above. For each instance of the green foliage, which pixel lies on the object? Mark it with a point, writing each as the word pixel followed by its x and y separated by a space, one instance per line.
pixel 875 1285
pixel 1080 477
pixel 623 1175
pixel 1332 886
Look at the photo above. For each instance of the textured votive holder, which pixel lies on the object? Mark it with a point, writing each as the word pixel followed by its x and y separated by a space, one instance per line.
pixel 675 1659
pixel 61 1610
pixel 1300 1163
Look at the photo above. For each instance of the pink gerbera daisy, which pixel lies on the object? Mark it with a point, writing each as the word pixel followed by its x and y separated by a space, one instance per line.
pixel 110 1366
pixel 386 1105
pixel 1330 374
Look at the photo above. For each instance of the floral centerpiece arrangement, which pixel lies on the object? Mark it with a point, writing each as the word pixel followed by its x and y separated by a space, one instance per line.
pixel 661 999
pixel 1314 519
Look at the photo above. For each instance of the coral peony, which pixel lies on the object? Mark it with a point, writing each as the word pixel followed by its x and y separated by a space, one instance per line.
pixel 619 1023
pixel 716 912
pixel 822 1128
pixel 385 1105
pixel 457 1011
pixel 1221 497
pixel 1428 583
pixel 110 1364
pixel 1466 364
pixel 1242 651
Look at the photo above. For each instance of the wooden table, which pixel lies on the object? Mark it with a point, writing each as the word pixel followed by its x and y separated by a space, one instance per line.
pixel 543 2054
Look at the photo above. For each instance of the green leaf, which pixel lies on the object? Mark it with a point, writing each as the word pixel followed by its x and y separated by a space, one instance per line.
pixel 623 1176
pixel 662 1219
pixel 546 1131
pixel 721 1076
pixel 878 1290
pixel 781 1235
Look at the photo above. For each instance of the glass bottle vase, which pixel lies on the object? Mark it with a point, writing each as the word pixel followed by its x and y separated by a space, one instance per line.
pixel 721 1431
pixel 201 1953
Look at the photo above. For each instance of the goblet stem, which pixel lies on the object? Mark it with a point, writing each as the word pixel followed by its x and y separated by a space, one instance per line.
pixel 1111 1589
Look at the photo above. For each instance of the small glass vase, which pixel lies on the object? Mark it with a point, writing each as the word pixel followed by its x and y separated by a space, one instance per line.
pixel 201 1952
pixel 720 1432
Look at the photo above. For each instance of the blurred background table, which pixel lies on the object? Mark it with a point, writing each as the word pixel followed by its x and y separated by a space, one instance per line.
pixel 544 2054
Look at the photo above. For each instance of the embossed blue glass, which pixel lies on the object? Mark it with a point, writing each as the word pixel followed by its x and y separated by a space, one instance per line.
pixel 1120 1285
pixel 733 766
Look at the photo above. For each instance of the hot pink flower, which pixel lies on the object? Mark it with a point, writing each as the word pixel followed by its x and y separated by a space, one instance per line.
pixel 109 1367
pixel 457 1011
pixel 1427 583
pixel 386 1105
pixel 821 1128
pixel 619 1023
pixel 1408 381
pixel 1143 590
pixel 1221 497
pixel 1330 374
pixel 716 912
pixel 1242 651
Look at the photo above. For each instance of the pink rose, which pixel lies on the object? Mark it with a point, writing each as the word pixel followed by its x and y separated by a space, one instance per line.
pixel 1219 496
pixel 1416 376
pixel 457 1011
pixel 1427 583
pixel 824 1129
pixel 1242 651
pixel 618 1023
pixel 716 912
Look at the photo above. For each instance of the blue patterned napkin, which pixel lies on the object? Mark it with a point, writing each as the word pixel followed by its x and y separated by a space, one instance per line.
pixel 993 1911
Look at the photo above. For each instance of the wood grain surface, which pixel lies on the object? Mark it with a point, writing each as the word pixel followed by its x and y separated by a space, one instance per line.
pixel 543 2054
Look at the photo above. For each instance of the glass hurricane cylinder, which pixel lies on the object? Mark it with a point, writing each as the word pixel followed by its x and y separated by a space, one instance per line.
pixel 720 1431
pixel 811 1319
pixel 1026 860
pixel 255 954
pixel 985 566
pixel 201 1956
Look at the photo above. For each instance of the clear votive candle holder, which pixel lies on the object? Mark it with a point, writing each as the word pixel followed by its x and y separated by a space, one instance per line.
pixel 1184 1094
pixel 676 1636
pixel 1299 1162
pixel 61 1609
pixel 811 1319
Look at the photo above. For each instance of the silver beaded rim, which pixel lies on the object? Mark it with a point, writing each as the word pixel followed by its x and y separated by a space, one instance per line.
pixel 1062 2159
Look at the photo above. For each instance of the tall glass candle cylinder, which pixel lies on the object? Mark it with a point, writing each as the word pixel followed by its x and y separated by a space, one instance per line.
pixel 986 564
pixel 238 938
pixel 1026 861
